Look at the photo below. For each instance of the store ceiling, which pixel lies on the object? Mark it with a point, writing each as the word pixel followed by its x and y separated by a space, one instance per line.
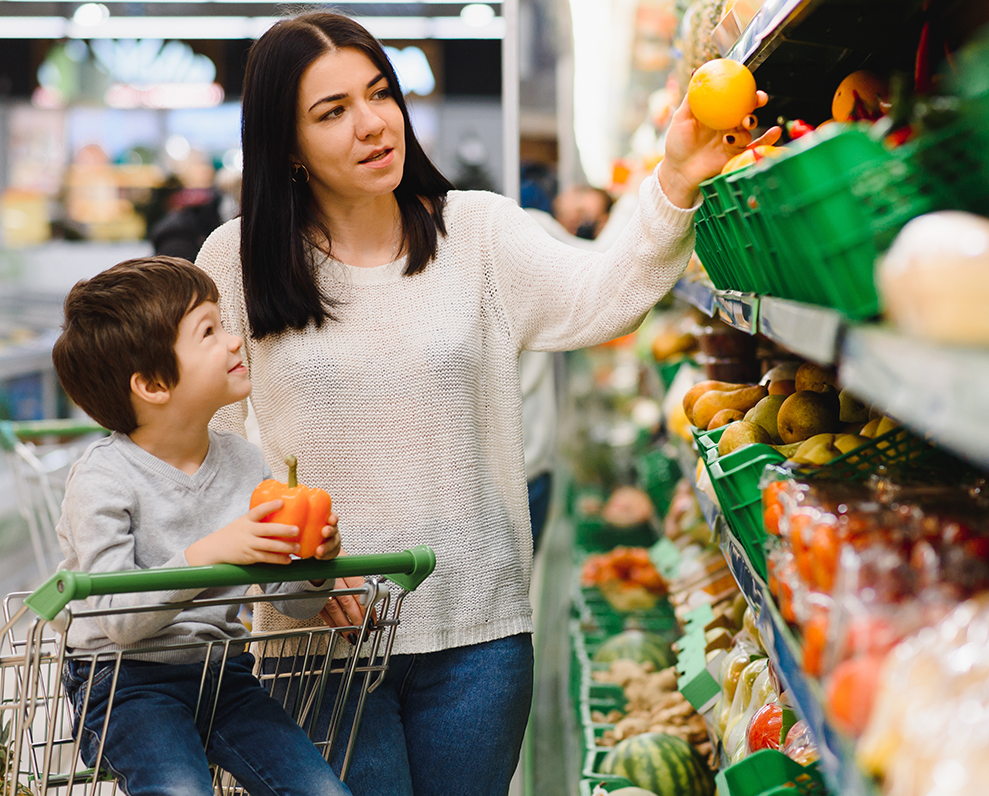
pixel 241 19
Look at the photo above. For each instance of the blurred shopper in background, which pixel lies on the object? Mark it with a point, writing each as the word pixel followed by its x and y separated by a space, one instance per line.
pixel 383 315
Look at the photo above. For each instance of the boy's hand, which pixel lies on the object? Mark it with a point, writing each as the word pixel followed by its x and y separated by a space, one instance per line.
pixel 245 541
pixel 330 548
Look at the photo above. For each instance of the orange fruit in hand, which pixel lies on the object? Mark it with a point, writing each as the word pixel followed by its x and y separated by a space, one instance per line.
pixel 861 95
pixel 721 93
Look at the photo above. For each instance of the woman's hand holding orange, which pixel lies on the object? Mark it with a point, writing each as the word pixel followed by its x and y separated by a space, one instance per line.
pixel 695 153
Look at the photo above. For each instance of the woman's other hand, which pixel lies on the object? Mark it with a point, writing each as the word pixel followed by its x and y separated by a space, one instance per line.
pixel 695 153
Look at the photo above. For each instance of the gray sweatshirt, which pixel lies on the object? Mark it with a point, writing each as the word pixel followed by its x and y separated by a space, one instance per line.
pixel 127 509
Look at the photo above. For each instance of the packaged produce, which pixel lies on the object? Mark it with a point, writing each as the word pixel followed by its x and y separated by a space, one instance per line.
pixel 755 688
pixel 928 731
pixel 800 745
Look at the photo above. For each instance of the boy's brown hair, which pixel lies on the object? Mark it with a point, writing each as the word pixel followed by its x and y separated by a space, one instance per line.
pixel 123 321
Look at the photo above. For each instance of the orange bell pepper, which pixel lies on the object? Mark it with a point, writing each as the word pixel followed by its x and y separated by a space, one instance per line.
pixel 305 508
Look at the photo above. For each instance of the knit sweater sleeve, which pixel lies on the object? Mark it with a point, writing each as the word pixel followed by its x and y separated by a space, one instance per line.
pixel 557 297
pixel 220 258
pixel 95 534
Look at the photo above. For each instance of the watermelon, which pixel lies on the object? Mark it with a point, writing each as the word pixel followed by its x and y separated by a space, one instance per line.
pixel 639 646
pixel 661 763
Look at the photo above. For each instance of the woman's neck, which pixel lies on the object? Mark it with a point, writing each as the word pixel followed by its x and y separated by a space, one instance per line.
pixel 367 234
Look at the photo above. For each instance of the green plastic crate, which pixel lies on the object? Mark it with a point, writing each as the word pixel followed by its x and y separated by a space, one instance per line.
pixel 735 479
pixel 769 772
pixel 605 782
pixel 594 535
pixel 956 158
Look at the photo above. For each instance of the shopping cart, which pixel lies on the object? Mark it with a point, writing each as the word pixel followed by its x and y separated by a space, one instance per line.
pixel 40 453
pixel 40 753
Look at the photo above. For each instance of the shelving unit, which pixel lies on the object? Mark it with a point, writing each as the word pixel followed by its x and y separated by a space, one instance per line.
pixel 799 51
pixel 937 391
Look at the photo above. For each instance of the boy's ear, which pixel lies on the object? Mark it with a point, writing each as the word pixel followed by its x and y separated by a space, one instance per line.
pixel 148 390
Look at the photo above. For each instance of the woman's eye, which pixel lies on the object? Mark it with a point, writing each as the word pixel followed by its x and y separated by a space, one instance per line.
pixel 333 113
pixel 383 93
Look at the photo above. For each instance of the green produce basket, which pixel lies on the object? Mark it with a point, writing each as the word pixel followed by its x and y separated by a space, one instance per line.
pixel 599 782
pixel 735 479
pixel 809 226
pixel 769 772
pixel 956 157
pixel 594 535
pixel 657 474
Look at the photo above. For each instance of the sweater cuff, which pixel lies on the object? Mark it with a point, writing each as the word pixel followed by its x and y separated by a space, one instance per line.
pixel 651 195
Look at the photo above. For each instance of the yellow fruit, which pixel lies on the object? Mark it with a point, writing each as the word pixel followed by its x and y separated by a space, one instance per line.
pixel 861 95
pixel 721 93
pixel 752 156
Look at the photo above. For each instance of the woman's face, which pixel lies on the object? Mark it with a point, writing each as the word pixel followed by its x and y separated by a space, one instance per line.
pixel 350 130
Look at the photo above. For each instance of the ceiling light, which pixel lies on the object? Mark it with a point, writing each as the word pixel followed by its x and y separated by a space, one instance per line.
pixel 91 15
pixel 477 15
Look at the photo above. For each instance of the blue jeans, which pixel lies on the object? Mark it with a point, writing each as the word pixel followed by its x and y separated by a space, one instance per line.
pixel 156 744
pixel 447 723
pixel 540 489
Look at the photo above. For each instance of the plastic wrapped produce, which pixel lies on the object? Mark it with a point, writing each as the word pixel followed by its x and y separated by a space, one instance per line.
pixel 929 731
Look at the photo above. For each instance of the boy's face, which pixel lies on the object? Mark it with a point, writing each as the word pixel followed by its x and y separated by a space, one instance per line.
pixel 211 371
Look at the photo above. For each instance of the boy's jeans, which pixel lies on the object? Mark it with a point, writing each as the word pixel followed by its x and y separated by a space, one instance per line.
pixel 156 745
pixel 446 723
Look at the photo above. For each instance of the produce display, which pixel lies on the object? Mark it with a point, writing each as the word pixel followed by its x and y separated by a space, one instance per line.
pixel 861 543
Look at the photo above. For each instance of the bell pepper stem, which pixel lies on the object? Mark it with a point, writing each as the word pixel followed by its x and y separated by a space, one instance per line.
pixel 292 463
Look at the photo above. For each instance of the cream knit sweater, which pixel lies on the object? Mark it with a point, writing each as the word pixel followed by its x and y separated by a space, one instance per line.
pixel 407 410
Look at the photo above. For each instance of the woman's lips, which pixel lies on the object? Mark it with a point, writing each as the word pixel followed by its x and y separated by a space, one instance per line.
pixel 380 159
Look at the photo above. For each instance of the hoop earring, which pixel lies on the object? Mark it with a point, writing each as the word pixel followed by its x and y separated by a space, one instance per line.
pixel 295 173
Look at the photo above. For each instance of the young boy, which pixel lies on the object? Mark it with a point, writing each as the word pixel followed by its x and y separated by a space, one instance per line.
pixel 143 353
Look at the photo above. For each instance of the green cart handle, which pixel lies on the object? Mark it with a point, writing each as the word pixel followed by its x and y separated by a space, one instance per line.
pixel 12 432
pixel 408 569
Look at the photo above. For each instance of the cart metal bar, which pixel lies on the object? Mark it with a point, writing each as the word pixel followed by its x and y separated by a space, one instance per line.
pixel 13 431
pixel 408 569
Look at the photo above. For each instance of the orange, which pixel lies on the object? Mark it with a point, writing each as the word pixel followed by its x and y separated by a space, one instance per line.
pixel 850 691
pixel 721 94
pixel 861 95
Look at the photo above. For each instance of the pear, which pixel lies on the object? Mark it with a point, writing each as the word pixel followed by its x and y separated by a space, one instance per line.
pixel 869 429
pixel 723 418
pixel 818 449
pixel 806 413
pixel 810 376
pixel 851 409
pixel 886 424
pixel 713 401
pixel 846 443
pixel 739 433
pixel 764 414
pixel 782 387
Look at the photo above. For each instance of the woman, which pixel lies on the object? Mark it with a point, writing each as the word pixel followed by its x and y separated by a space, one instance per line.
pixel 383 315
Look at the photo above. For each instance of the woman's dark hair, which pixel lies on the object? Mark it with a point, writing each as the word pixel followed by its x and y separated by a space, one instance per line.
pixel 279 225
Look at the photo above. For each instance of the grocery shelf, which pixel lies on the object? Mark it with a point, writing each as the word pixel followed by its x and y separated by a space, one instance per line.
pixel 837 753
pixel 810 331
pixel 801 49
pixel 940 391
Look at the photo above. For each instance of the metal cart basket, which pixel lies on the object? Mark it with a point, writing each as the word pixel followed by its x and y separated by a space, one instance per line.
pixel 40 752
pixel 39 454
